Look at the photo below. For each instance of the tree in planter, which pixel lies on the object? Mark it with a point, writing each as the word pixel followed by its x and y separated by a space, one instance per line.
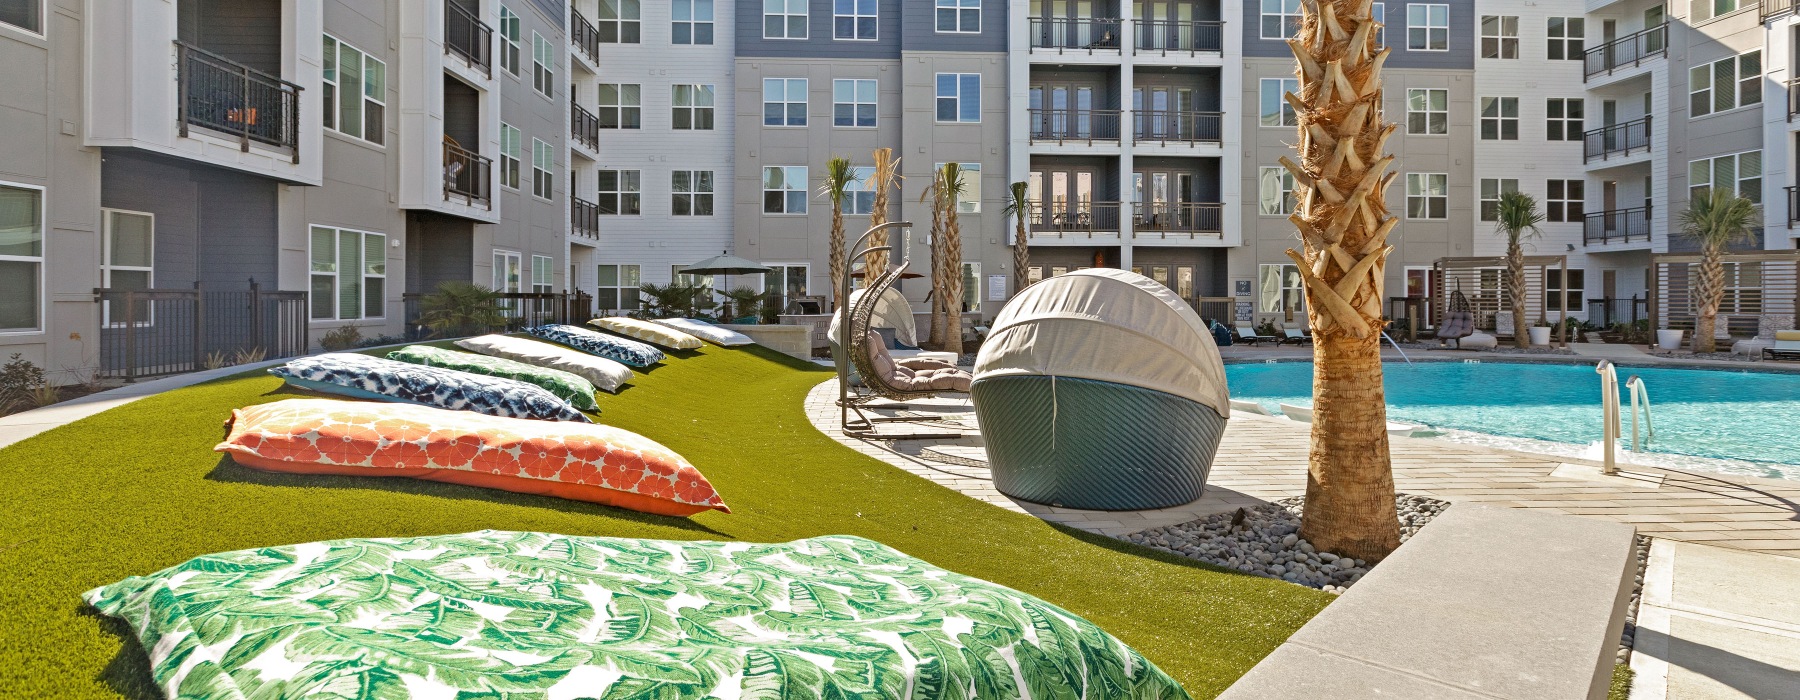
pixel 1715 219
pixel 1341 181
pixel 885 180
pixel 946 192
pixel 745 302
pixel 839 176
pixel 461 308
pixel 1516 217
pixel 1018 207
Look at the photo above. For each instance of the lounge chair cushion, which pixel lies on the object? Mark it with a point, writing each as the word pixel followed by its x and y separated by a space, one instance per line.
pixel 652 333
pixel 527 614
pixel 605 374
pixel 611 347
pixel 594 463
pixel 568 387
pixel 935 376
pixel 706 331
pixel 365 377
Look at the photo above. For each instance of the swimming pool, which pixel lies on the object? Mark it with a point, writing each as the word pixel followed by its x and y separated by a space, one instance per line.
pixel 1749 418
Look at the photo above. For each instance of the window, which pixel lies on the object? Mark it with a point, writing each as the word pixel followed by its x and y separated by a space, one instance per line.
pixel 1743 288
pixel 1573 292
pixel 618 22
pixel 1743 170
pixel 543 65
pixel 693 192
pixel 618 288
pixel 1725 84
pixel 1280 19
pixel 1500 36
pixel 853 102
pixel 619 192
pixel 787 283
pixel 959 16
pixel 509 40
pixel 1491 189
pixel 1427 196
pixel 682 278
pixel 1567 37
pixel 853 19
pixel 1275 192
pixel 691 107
pixel 1427 27
pixel 620 106
pixel 1378 11
pixel 127 245
pixel 543 275
pixel 508 272
pixel 24 14
pixel 1708 9
pixel 784 19
pixel 349 274
pixel 21 258
pixel 692 22
pixel 1563 119
pixel 1564 200
pixel 784 102
pixel 970 201
pixel 971 288
pixel 355 86
pixel 1275 109
pixel 959 97
pixel 510 153
pixel 1500 118
pixel 1427 111
pixel 784 189
pixel 1280 289
pixel 543 163
pixel 858 197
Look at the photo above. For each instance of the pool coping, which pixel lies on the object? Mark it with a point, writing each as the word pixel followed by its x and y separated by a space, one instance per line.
pixel 1712 365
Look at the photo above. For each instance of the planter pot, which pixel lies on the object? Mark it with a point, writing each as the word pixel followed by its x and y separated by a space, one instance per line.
pixel 1540 335
pixel 1669 340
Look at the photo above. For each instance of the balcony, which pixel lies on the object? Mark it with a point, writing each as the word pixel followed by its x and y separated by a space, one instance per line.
pixel 584 36
pixel 1085 126
pixel 467 36
pixel 1064 34
pixel 584 218
pixel 1625 52
pixel 223 95
pixel 1793 199
pixel 1167 36
pixel 1793 98
pixel 584 127
pixel 1619 139
pixel 1073 219
pixel 468 176
pixel 1617 226
pixel 1178 219
pixel 1169 126
pixel 1776 8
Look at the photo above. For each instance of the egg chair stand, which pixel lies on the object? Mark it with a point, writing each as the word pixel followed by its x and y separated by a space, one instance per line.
pixel 854 417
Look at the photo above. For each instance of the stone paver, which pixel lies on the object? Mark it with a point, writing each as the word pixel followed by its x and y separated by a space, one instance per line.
pixel 1717 623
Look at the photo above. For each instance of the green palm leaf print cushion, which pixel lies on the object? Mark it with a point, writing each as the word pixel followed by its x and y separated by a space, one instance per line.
pixel 527 614
pixel 577 391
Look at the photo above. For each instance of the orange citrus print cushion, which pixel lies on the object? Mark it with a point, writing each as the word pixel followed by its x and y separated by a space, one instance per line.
pixel 577 461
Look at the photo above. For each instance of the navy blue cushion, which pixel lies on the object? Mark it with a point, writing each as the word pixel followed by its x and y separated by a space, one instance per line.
pixel 363 376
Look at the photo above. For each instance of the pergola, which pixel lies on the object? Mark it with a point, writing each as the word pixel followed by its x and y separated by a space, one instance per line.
pixel 1762 292
pixel 1481 280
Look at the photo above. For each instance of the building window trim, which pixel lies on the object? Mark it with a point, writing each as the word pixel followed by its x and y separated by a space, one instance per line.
pixel 863 14
pixel 1500 37
pixel 332 270
pixel 1497 115
pixel 1280 289
pixel 624 196
pixel 1565 38
pixel 1746 83
pixel 695 188
pixel 512 152
pixel 962 105
pixel 42 307
pixel 508 272
pixel 1433 31
pixel 1557 114
pixel 1433 202
pixel 543 66
pixel 1284 115
pixel 623 286
pixel 1565 201
pixel 856 104
pixel 618 109
pixel 686 14
pixel 510 51
pixel 790 101
pixel 108 266
pixel 543 168
pixel 1487 196
pixel 1426 103
pixel 792 199
pixel 543 274
pixel 374 97
pixel 1747 187
pixel 692 107
pixel 1275 185
pixel 43 18
pixel 789 20
pixel 965 16
pixel 1286 16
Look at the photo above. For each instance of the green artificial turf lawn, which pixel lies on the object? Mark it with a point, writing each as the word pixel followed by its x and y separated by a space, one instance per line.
pixel 137 489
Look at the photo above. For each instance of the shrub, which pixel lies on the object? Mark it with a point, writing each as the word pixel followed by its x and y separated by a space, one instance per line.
pixel 18 377
pixel 343 338
pixel 461 308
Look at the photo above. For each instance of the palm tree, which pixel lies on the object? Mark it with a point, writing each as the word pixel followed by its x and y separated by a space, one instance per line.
pixel 1715 219
pixel 1516 217
pixel 935 193
pixel 461 308
pixel 1018 207
pixel 951 288
pixel 839 176
pixel 1341 182
pixel 886 179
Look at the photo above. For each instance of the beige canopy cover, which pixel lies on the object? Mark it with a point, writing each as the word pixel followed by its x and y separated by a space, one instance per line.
pixel 891 311
pixel 1107 325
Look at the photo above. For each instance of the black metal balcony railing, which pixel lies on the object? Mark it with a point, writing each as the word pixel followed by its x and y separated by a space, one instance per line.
pixel 467 176
pixel 223 95
pixel 1793 199
pixel 584 217
pixel 1181 36
pixel 584 36
pixel 1180 218
pixel 1620 139
pixel 1077 125
pixel 1076 33
pixel 1626 51
pixel 1169 126
pixel 1617 226
pixel 467 36
pixel 585 127
pixel 1063 218
pixel 1793 98
pixel 1776 8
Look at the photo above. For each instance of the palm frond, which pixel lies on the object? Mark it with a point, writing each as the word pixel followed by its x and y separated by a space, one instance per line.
pixel 1016 202
pixel 839 176
pixel 1718 217
pixel 1516 216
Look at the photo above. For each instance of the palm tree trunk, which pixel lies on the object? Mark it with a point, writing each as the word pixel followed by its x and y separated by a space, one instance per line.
pixel 1515 282
pixel 952 283
pixel 1021 255
pixel 936 335
pixel 837 246
pixel 1710 292
pixel 885 166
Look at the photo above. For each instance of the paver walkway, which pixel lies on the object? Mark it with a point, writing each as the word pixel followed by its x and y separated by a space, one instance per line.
pixel 1717 623
pixel 1264 458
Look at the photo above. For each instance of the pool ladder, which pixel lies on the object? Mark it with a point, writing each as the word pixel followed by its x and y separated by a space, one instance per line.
pixel 1610 409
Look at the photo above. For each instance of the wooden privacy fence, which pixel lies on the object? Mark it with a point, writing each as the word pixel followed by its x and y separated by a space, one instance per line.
pixel 1482 282
pixel 153 332
pixel 1762 291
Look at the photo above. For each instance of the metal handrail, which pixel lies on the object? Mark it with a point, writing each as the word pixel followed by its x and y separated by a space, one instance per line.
pixel 1178 217
pixel 467 36
pixel 1640 395
pixel 1771 9
pixel 584 36
pixel 227 96
pixel 1088 34
pixel 1620 225
pixel 1164 126
pixel 1609 415
pixel 1793 201
pixel 1190 36
pixel 1065 125
pixel 1631 49
pixel 1065 216
pixel 584 217
pixel 1623 138
pixel 584 127
pixel 1793 98
pixel 467 174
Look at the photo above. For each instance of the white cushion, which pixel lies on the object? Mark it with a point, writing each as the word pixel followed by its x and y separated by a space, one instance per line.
pixel 1478 341
pixel 606 375
pixel 706 331
pixel 648 332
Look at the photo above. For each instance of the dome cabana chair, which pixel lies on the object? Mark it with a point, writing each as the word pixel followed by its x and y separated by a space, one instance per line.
pixel 1100 390
pixel 862 349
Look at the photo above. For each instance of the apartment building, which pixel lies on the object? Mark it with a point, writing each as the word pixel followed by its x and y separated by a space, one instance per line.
pixel 333 156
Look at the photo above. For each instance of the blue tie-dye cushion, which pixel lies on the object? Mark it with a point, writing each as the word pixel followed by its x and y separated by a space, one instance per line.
pixel 611 347
pixel 363 376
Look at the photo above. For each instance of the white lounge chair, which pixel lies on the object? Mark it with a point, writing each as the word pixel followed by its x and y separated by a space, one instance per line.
pixel 1303 414
pixel 1295 336
pixel 1248 335
pixel 1786 347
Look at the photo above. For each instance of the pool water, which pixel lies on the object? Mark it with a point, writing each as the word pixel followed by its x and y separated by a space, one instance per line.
pixel 1749 417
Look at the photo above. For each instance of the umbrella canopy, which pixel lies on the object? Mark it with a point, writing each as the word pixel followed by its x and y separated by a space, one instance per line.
pixel 724 264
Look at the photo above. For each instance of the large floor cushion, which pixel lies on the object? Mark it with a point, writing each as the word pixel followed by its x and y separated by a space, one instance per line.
pixel 611 347
pixel 365 377
pixel 706 331
pixel 569 387
pixel 595 463
pixel 527 614
pixel 654 334
pixel 605 374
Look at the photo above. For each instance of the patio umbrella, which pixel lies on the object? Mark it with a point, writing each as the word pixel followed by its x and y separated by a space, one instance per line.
pixel 725 264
